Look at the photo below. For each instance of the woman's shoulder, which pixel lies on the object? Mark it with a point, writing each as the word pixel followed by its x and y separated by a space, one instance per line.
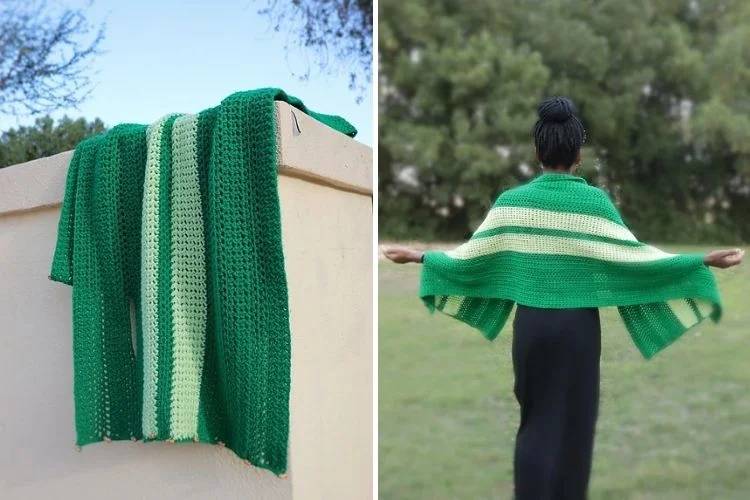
pixel 605 203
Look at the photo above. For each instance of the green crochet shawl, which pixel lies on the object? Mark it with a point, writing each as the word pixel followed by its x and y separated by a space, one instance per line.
pixel 558 243
pixel 170 236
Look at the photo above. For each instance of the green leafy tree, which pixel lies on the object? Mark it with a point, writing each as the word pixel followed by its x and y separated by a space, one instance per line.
pixel 456 96
pixel 662 88
pixel 45 138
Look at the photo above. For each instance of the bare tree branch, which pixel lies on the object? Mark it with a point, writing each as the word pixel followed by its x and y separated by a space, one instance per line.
pixel 44 56
pixel 338 28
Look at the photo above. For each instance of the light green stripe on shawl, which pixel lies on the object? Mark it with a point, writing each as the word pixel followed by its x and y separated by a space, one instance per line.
pixel 188 280
pixel 150 276
pixel 549 219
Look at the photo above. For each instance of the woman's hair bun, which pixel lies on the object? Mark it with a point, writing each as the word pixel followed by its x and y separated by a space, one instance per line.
pixel 556 110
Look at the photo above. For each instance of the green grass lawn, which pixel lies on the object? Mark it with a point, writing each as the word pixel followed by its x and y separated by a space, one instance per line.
pixel 674 428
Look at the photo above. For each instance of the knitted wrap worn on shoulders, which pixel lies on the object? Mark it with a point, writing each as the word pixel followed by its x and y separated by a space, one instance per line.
pixel 559 243
pixel 170 236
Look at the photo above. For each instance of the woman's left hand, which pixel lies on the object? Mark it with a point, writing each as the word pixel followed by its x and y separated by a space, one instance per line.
pixel 402 255
pixel 724 259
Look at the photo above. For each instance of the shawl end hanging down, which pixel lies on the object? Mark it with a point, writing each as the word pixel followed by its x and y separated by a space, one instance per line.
pixel 171 234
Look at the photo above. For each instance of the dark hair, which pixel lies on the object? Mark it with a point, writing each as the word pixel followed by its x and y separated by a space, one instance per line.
pixel 558 133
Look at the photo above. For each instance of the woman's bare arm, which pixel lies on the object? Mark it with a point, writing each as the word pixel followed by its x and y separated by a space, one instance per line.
pixel 402 255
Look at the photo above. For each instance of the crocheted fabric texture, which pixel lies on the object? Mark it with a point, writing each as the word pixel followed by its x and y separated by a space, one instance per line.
pixel 170 236
pixel 559 243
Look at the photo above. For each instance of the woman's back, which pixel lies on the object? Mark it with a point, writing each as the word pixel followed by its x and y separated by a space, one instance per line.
pixel 564 193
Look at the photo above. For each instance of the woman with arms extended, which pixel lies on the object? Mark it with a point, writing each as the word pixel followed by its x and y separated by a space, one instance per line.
pixel 559 249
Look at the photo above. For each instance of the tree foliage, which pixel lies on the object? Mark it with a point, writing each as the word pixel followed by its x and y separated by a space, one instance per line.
pixel 44 56
pixel 662 87
pixel 45 138
pixel 335 30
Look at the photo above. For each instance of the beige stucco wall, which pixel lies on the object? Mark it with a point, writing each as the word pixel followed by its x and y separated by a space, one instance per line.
pixel 325 188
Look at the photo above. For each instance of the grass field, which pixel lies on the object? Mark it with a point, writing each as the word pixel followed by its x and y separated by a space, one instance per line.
pixel 674 428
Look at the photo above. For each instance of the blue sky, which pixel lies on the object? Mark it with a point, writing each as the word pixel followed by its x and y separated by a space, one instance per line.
pixel 164 56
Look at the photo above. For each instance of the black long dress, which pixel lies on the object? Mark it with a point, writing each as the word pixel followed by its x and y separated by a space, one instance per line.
pixel 556 354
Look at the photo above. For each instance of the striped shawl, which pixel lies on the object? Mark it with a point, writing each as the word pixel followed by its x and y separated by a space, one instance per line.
pixel 171 235
pixel 559 243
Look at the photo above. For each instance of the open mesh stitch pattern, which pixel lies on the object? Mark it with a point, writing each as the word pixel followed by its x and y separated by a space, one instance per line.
pixel 557 242
pixel 179 222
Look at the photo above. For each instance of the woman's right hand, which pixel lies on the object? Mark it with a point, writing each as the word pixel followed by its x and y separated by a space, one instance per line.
pixel 724 258
pixel 402 255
